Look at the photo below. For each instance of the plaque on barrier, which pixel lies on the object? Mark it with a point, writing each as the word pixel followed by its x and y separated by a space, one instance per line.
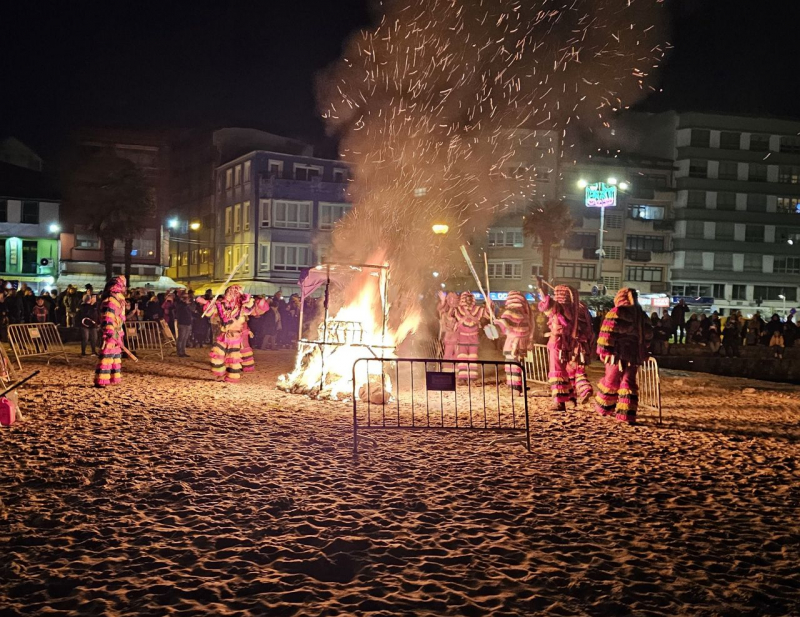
pixel 34 332
pixel 440 382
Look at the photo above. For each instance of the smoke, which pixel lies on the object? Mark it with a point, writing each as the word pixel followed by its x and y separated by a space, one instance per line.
pixel 426 102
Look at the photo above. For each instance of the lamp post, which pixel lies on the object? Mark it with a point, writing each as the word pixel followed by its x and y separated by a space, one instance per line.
pixel 783 297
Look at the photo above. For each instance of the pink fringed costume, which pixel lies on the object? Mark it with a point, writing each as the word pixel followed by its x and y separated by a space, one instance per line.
pixel 515 323
pixel 570 346
pixel 112 321
pixel 468 317
pixel 622 346
pixel 448 325
pixel 231 354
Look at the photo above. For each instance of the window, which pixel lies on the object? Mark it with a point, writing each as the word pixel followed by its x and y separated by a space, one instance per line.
pixel 754 233
pixel 30 258
pixel 30 212
pixel 275 169
pixel 613 251
pixel 263 257
pixel 246 216
pixel 228 178
pixel 786 234
pixel 246 264
pixel 723 262
pixel 694 259
pixel 692 291
pixel 420 191
pixel 729 140
pixel 759 143
pixel 266 207
pixel 645 274
pixel 757 173
pixel 581 241
pixel 728 170
pixel 339 174
pixel 505 270
pixel 613 221
pixel 719 290
pixel 645 243
pixel 228 259
pixel 611 283
pixel 290 257
pixel 789 174
pixel 237 175
pixel 698 169
pixel 228 213
pixel 85 240
pixel 583 272
pixel 789 205
pixel 204 256
pixel 790 144
pixel 542 174
pixel 761 292
pixel 536 270
pixel 787 265
pixel 701 138
pixel 725 231
pixel 329 214
pixel 219 182
pixel 756 203
pixel 696 199
pixel 3 211
pixel 644 212
pixel 247 171
pixel 291 214
pixel 753 263
pixel 694 229
pixel 306 172
pixel 505 237
pixel 184 258
pixel 739 292
pixel 237 217
pixel 195 256
pixel 726 201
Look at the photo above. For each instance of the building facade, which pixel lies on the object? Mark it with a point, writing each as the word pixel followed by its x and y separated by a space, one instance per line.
pixel 275 213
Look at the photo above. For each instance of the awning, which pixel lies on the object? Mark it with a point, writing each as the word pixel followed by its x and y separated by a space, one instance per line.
pixel 97 281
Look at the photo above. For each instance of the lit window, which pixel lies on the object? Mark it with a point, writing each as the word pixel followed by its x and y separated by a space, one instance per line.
pixel 505 270
pixel 290 257
pixel 512 237
pixel 228 178
pixel 246 216
pixel 237 175
pixel 247 171
pixel 237 217
pixel 228 212
pixel 330 213
pixel 266 207
pixel 291 214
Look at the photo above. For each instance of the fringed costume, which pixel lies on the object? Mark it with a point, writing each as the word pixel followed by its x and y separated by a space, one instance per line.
pixel 231 354
pixel 515 323
pixel 468 317
pixel 622 346
pixel 448 325
pixel 569 345
pixel 112 321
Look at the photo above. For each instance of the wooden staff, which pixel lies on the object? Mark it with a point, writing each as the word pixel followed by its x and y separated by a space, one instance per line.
pixel 128 352
pixel 210 307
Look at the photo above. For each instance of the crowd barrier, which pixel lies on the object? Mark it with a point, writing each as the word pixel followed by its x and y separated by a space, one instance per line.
pixel 143 337
pixel 537 365
pixel 42 340
pixel 649 382
pixel 425 394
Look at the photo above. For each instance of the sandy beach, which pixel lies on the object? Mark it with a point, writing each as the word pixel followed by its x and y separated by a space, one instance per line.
pixel 175 495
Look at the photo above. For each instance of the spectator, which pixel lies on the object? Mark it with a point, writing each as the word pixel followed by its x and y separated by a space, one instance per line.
pixel 774 332
pixel 169 310
pixel 661 332
pixel 40 312
pixel 49 305
pixel 14 302
pixel 88 317
pixel 71 304
pixel 754 327
pixel 732 335
pixel 790 331
pixel 714 334
pixel 679 321
pixel 4 318
pixel 153 310
pixel 28 302
pixel 692 328
pixel 183 317
pixel 270 326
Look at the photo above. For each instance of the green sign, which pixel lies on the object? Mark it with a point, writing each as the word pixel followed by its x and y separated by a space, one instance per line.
pixel 601 195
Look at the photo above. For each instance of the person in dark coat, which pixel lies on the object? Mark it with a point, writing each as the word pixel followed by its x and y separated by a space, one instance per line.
pixel 679 321
pixel 88 317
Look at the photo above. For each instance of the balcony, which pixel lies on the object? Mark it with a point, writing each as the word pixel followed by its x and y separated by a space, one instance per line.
pixel 640 256
pixel 303 189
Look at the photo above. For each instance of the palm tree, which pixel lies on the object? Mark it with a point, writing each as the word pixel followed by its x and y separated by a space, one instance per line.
pixel 109 196
pixel 549 223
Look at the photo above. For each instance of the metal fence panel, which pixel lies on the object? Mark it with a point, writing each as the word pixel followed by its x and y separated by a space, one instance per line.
pixel 144 336
pixel 424 394
pixel 30 340
pixel 649 382
pixel 537 365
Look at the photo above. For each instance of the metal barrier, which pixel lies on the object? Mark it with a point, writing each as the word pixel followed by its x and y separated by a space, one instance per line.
pixel 537 365
pixel 30 340
pixel 649 382
pixel 142 337
pixel 167 335
pixel 424 394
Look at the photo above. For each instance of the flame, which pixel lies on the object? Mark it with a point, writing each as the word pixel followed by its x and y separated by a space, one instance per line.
pixel 359 329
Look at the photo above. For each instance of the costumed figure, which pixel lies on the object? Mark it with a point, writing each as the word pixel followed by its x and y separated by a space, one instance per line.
pixel 231 354
pixel 515 322
pixel 448 325
pixel 468 317
pixel 570 345
pixel 112 321
pixel 622 346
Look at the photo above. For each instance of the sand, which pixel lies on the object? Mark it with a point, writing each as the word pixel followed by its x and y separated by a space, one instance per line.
pixel 181 496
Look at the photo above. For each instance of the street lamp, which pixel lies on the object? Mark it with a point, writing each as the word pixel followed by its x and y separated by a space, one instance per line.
pixel 440 229
pixel 173 223
pixel 54 228
pixel 783 297
pixel 195 225
pixel 436 275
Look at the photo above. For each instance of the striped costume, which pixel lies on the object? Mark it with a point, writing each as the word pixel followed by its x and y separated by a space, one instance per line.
pixel 468 317
pixel 448 325
pixel 569 346
pixel 515 323
pixel 231 354
pixel 622 346
pixel 112 321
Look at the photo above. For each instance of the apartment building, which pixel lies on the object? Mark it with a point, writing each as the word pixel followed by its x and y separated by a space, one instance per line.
pixel 276 211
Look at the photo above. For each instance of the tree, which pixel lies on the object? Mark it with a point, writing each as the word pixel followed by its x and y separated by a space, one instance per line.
pixel 549 223
pixel 109 196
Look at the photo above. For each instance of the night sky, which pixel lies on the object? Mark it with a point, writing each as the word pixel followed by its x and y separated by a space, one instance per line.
pixel 185 64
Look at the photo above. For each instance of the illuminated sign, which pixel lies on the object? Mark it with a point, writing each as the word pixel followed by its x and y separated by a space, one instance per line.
pixel 601 195
pixel 500 296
